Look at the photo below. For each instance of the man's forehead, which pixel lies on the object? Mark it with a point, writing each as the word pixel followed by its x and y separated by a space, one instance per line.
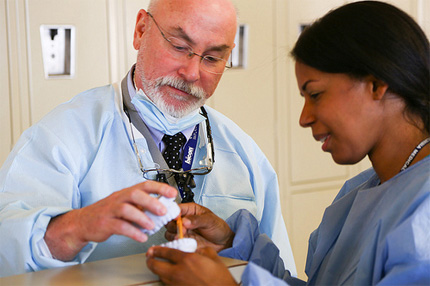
pixel 213 10
pixel 195 29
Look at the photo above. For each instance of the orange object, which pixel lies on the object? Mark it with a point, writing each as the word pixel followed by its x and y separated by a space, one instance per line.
pixel 179 223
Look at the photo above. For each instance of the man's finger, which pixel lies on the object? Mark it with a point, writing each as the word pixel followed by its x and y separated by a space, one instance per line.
pixel 154 187
pixel 139 196
pixel 130 213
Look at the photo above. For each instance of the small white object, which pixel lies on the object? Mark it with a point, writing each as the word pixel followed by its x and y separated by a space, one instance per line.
pixel 159 221
pixel 186 244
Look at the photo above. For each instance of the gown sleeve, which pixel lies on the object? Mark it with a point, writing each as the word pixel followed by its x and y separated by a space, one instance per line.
pixel 27 203
pixel 408 250
pixel 265 266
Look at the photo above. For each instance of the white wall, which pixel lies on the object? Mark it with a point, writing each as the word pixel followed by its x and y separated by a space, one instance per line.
pixel 263 98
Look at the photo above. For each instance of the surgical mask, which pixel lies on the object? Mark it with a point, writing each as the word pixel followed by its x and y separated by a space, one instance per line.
pixel 165 123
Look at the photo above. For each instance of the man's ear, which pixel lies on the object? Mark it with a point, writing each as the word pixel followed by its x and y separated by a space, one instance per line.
pixel 379 88
pixel 139 29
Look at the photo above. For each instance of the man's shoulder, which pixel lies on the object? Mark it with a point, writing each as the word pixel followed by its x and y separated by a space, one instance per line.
pixel 221 122
pixel 98 95
pixel 89 110
pixel 228 136
pixel 92 102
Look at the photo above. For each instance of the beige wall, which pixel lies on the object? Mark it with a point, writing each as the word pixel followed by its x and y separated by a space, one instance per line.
pixel 263 98
pixel 5 114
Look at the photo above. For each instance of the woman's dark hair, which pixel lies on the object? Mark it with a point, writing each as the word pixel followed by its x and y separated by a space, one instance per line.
pixel 372 38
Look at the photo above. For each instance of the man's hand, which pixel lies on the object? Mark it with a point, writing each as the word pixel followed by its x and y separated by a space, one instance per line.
pixel 121 213
pixel 180 268
pixel 202 225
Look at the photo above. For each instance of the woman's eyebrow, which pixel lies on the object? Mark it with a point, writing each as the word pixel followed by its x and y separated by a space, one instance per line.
pixel 304 86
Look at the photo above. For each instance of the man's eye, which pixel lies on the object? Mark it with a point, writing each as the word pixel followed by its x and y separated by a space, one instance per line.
pixel 180 48
pixel 211 59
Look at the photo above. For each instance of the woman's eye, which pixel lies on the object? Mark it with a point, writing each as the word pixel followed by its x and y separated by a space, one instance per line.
pixel 314 95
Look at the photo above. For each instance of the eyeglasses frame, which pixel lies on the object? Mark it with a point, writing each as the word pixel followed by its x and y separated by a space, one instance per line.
pixel 190 51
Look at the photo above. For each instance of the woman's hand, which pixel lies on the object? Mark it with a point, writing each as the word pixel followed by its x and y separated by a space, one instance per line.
pixel 204 267
pixel 204 226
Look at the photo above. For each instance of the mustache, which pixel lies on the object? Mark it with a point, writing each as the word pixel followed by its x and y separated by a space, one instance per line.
pixel 182 85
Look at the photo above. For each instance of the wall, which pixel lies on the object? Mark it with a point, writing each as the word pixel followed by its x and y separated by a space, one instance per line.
pixel 31 95
pixel 263 98
pixel 5 114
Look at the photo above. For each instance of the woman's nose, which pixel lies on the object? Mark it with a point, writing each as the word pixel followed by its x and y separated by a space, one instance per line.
pixel 306 117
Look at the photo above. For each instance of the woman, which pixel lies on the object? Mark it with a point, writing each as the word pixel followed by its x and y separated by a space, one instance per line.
pixel 363 70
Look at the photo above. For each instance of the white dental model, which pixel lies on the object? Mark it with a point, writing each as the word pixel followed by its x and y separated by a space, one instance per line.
pixel 159 221
pixel 183 244
pixel 186 244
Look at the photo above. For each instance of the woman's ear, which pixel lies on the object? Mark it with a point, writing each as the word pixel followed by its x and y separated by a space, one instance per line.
pixel 139 29
pixel 379 88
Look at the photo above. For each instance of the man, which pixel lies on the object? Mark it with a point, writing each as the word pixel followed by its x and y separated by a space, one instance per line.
pixel 65 189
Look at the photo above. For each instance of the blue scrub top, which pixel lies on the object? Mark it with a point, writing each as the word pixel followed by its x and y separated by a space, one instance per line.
pixel 371 235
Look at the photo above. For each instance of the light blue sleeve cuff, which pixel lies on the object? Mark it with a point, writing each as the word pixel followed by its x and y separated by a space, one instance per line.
pixel 40 252
pixel 44 259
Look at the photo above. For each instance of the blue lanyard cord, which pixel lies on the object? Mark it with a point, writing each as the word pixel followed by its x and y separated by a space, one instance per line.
pixel 190 150
pixel 186 181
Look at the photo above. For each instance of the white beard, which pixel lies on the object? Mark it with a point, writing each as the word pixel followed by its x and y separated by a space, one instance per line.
pixel 185 107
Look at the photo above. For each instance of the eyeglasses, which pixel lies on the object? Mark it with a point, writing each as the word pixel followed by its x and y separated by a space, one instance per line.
pixel 159 174
pixel 180 50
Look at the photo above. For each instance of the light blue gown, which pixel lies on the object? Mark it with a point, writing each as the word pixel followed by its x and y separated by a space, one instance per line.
pixel 371 235
pixel 82 152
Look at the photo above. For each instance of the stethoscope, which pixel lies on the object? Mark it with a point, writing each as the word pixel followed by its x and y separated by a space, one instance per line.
pixel 184 178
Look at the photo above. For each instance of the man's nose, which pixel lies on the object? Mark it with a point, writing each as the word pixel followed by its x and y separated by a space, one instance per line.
pixel 190 69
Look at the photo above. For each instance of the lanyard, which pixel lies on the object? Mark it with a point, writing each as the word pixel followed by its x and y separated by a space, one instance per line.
pixel 190 150
pixel 186 182
pixel 414 153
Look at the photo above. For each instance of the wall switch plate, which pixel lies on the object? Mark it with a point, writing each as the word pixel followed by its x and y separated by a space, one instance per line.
pixel 58 50
pixel 239 54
